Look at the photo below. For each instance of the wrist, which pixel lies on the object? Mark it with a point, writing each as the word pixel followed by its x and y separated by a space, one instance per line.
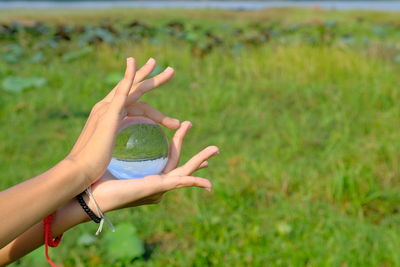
pixel 95 215
pixel 67 216
pixel 69 165
pixel 97 202
pixel 74 209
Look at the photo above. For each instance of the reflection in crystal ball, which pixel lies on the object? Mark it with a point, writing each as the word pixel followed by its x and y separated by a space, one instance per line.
pixel 141 149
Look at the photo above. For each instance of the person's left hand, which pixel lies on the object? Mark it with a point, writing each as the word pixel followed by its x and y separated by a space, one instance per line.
pixel 91 153
pixel 111 193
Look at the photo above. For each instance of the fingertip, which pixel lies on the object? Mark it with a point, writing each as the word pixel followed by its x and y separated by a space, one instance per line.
pixel 130 66
pixel 176 122
pixel 209 186
pixel 186 124
pixel 214 149
pixel 203 165
pixel 150 61
pixel 201 182
pixel 172 123
pixel 169 70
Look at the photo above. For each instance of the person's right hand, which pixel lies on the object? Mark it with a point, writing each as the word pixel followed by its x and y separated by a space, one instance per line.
pixel 91 153
pixel 111 193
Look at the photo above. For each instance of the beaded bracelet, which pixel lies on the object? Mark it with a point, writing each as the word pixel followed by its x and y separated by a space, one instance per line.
pixel 97 219
pixel 88 211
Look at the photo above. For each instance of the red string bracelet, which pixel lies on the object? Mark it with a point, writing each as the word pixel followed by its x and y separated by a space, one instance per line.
pixel 48 237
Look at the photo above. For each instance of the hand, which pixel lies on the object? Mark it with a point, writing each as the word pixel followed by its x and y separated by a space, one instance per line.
pixel 92 151
pixel 111 193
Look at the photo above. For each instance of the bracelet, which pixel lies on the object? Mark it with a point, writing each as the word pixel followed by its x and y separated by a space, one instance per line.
pixel 85 207
pixel 103 217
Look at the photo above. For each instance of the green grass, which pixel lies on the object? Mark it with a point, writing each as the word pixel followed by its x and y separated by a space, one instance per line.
pixel 308 173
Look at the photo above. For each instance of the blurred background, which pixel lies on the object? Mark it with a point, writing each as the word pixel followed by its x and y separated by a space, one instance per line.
pixel 301 97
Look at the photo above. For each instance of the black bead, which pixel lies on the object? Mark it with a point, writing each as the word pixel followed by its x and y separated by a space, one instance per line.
pixel 88 211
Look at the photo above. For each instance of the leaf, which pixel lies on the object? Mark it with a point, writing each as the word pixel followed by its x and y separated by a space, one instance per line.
pixel 192 37
pixel 105 35
pixel 86 240
pixel 113 78
pixel 283 228
pixel 77 54
pixel 123 244
pixel 14 49
pixel 16 84
pixel 13 53
pixel 157 70
pixel 10 58
pixel 93 35
pixel 36 58
pixel 237 48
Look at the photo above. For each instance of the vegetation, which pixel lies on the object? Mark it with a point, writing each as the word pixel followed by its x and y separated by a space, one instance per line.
pixel 303 103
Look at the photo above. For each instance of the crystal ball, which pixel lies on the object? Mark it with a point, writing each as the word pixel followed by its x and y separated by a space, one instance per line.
pixel 141 149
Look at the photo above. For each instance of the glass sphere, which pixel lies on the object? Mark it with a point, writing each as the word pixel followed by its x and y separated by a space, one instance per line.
pixel 141 149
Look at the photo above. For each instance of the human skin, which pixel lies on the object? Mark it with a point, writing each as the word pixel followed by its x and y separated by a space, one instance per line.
pixel 111 194
pixel 88 160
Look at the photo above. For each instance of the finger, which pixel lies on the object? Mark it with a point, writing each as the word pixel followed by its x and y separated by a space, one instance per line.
pixel 175 148
pixel 145 70
pixel 88 129
pixel 141 74
pixel 125 192
pixel 203 165
pixel 175 182
pixel 91 123
pixel 195 162
pixel 124 85
pixel 141 88
pixel 107 126
pixel 143 109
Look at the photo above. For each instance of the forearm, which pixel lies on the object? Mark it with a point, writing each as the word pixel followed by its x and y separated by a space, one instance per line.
pixel 26 204
pixel 65 218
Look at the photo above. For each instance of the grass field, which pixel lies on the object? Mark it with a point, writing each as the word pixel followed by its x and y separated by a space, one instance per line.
pixel 308 126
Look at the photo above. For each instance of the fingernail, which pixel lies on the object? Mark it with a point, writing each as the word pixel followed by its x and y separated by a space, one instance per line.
pixel 208 189
pixel 129 59
pixel 169 69
pixel 216 149
pixel 151 60
pixel 176 121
